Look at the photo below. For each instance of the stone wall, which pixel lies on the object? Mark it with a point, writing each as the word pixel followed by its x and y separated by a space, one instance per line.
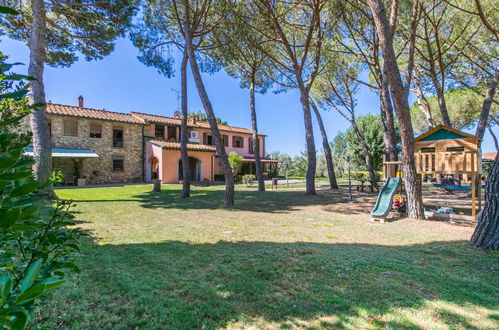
pixel 100 170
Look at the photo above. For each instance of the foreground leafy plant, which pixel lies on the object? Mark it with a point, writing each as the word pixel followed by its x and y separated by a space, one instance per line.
pixel 37 243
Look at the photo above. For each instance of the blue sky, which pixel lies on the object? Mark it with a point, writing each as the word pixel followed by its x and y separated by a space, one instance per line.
pixel 121 83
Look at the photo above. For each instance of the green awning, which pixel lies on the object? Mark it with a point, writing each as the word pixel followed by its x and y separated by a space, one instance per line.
pixel 66 153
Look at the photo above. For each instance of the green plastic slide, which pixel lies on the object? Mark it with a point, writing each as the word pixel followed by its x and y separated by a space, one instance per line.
pixel 385 197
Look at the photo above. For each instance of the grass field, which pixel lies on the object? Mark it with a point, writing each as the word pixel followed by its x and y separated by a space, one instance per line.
pixel 276 260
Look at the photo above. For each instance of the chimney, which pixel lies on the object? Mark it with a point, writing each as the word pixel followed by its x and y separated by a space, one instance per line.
pixel 193 120
pixel 80 101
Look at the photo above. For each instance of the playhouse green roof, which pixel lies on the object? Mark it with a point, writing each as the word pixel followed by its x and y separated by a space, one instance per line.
pixel 443 133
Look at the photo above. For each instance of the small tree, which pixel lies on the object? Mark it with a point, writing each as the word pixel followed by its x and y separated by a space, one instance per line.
pixel 370 127
pixel 236 162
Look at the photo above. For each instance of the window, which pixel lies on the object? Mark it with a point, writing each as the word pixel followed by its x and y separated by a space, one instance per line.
pixel 208 139
pixel 237 142
pixel 50 127
pixel 118 163
pixel 226 140
pixel 159 131
pixel 172 133
pixel 117 137
pixel 95 131
pixel 70 128
pixel 455 148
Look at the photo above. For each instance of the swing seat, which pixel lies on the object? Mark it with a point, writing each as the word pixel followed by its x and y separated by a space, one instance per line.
pixel 450 187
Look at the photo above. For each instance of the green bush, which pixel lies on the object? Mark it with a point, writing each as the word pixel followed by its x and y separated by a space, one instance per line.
pixel 248 179
pixel 235 162
pixel 37 245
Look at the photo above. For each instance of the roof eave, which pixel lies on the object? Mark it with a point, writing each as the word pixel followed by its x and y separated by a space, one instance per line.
pixel 92 118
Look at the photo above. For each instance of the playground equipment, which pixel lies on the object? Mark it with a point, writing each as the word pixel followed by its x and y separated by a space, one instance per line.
pixel 384 202
pixel 445 151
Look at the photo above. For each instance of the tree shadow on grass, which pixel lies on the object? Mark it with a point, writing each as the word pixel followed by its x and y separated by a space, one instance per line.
pixel 281 201
pixel 268 202
pixel 266 284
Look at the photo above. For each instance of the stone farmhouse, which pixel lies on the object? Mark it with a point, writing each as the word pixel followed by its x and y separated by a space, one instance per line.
pixel 91 146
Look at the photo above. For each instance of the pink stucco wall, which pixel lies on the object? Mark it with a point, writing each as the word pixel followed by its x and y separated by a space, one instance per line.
pixel 153 151
pixel 244 151
pixel 169 160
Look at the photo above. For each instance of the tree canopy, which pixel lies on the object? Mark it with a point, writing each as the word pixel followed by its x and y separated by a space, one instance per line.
pixel 464 107
pixel 89 27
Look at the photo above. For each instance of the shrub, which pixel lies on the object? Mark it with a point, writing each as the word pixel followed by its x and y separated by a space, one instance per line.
pixel 36 245
pixel 248 179
pixel 235 162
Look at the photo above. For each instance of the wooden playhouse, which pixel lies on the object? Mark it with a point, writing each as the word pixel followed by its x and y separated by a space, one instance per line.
pixel 446 151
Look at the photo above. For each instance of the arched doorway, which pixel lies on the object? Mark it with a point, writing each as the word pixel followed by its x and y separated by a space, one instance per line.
pixel 195 167
pixel 154 168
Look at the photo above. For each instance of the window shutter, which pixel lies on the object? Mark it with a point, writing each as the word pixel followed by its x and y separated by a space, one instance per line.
pixel 70 128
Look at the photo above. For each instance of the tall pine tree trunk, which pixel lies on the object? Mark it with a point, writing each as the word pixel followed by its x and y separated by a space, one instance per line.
pixel 410 176
pixel 387 121
pixel 256 139
pixel 486 235
pixel 487 103
pixel 39 123
pixel 203 95
pixel 327 148
pixel 309 138
pixel 186 173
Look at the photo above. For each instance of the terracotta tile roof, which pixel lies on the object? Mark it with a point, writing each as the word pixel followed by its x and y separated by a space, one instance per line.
pixel 489 156
pixel 74 111
pixel 156 119
pixel 134 117
pixel 176 146
pixel 199 124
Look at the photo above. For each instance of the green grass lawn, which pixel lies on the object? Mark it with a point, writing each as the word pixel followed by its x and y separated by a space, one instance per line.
pixel 276 260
